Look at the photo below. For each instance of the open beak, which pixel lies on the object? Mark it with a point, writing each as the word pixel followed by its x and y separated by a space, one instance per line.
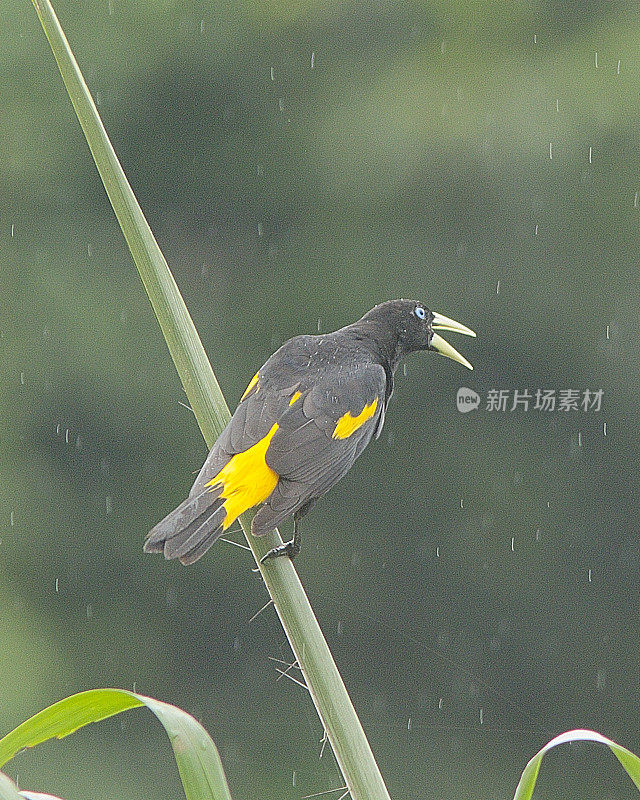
pixel 440 345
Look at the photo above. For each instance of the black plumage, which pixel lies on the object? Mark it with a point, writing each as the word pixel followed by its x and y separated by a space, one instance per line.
pixel 315 405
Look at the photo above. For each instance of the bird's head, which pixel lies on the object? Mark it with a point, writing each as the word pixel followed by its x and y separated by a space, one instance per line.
pixel 414 327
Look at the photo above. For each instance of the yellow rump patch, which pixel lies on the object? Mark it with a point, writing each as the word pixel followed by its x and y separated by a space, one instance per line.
pixel 246 480
pixel 295 397
pixel 252 383
pixel 347 424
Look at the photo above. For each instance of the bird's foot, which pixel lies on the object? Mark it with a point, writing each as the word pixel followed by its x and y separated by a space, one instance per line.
pixel 290 549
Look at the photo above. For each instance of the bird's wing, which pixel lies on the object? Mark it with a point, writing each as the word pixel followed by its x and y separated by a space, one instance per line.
pixel 189 530
pixel 319 437
pixel 264 401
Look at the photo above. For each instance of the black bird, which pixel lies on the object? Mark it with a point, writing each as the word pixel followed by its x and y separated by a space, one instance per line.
pixel 304 418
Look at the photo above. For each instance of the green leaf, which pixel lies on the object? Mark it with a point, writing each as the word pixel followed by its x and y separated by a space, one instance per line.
pixel 8 789
pixel 196 755
pixel 527 782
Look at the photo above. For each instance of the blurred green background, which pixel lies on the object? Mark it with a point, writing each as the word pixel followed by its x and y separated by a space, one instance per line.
pixel 476 574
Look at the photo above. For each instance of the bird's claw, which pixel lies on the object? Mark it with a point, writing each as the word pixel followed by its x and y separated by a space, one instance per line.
pixel 290 549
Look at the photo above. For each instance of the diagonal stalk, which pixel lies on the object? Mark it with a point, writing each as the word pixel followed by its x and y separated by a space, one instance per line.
pixel 325 684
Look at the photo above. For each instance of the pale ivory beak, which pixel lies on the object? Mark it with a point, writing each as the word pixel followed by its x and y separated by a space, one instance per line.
pixel 440 345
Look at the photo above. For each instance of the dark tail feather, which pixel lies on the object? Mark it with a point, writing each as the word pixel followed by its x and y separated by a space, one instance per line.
pixel 190 530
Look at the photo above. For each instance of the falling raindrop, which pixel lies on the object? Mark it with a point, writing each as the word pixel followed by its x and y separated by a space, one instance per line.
pixel 22 378
pixel 608 332
pixel 201 26
pixel 12 227
pixel 596 59
pixel 319 324
pixel 260 229
pixel 438 552
pixel 273 74
pixel 89 250
pixel 109 504
pixel 409 724
pixel 590 154
pixel 66 435
pixel 57 585
pixel 589 576
pixel 134 686
pixel 535 38
pixel 11 518
pixel 551 150
pixel 281 103
pixel 461 503
pixel 90 612
pixel 558 105
pixel 512 543
pixel 604 428
pixel 313 59
pixel 579 439
pixel 481 716
pixel 635 200
pixel 404 370
pixel 442 47
pixel 293 782
pixel 498 287
pixel 440 703
pixel 538 535
pixel 618 70
pixel 339 627
pixel 535 233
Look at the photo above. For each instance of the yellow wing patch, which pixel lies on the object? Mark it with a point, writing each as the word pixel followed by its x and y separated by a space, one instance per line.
pixel 295 397
pixel 253 382
pixel 246 480
pixel 348 425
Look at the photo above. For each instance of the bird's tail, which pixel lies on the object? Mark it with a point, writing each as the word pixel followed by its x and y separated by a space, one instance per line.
pixel 190 529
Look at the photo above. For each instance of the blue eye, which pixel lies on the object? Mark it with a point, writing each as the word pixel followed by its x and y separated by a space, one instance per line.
pixel 420 312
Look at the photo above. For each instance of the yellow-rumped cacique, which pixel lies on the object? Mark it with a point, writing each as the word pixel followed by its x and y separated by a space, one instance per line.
pixel 304 418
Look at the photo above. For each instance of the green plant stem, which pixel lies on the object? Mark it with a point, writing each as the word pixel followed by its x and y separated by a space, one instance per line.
pixel 325 684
